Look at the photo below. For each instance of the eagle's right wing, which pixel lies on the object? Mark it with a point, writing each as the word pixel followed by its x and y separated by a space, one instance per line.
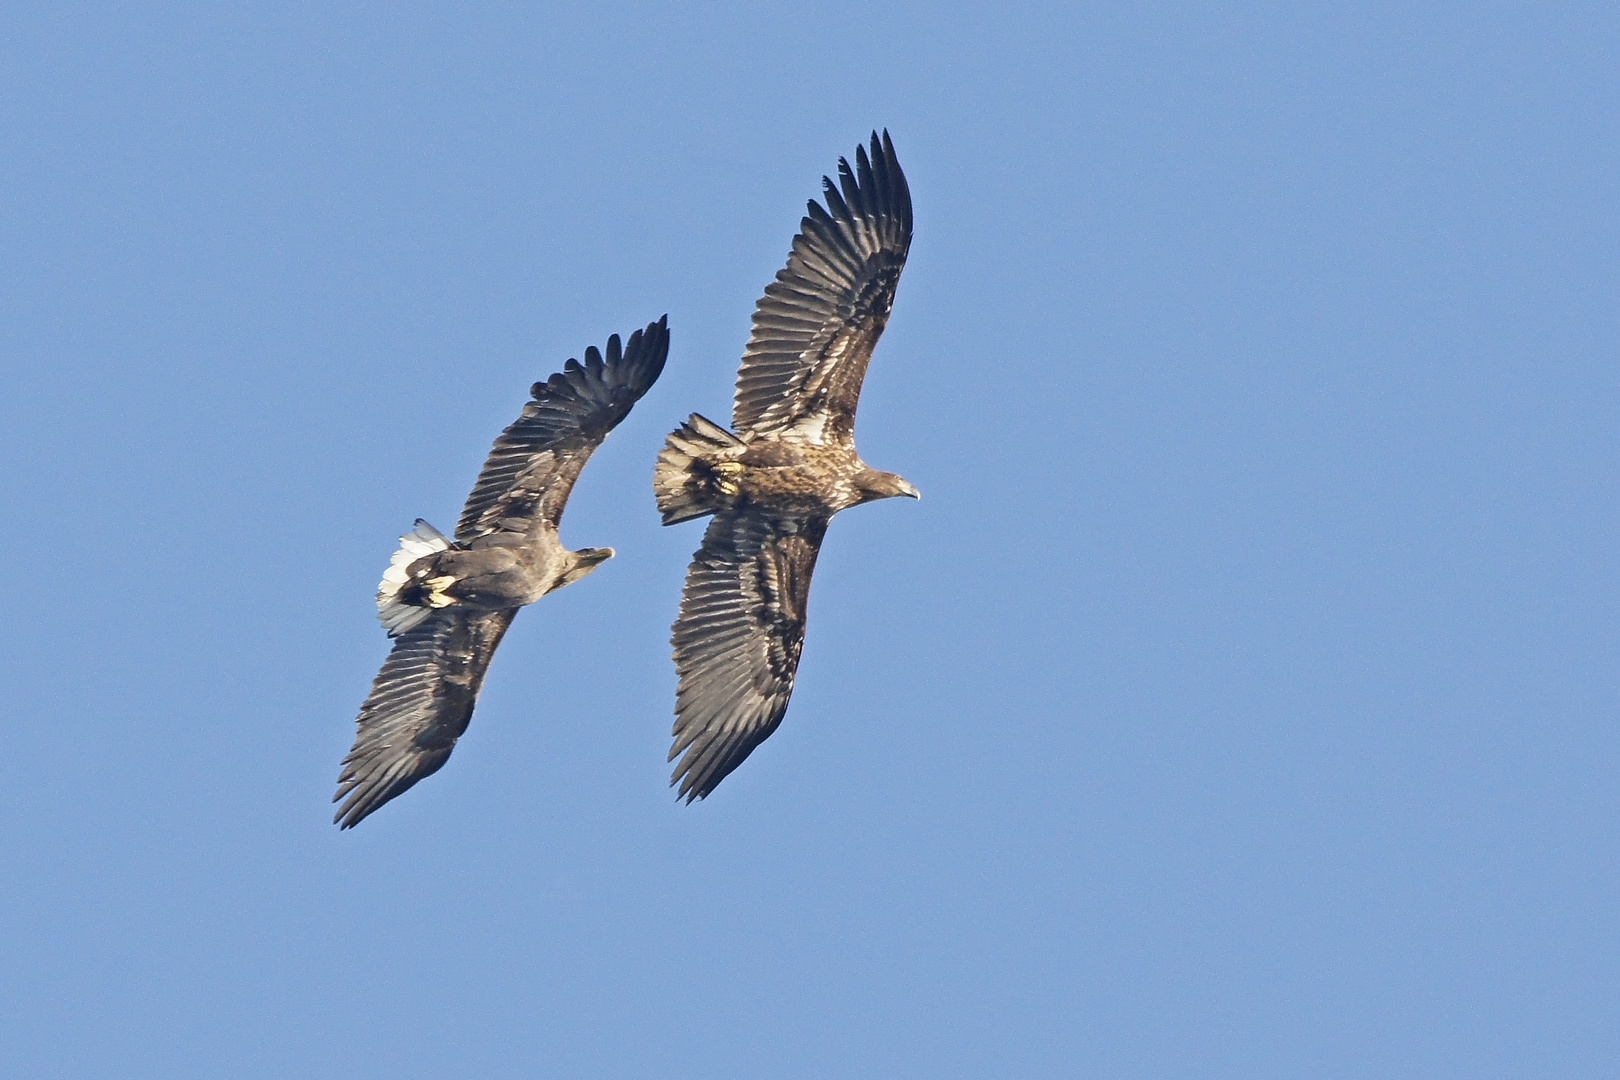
pixel 533 465
pixel 737 640
pixel 419 706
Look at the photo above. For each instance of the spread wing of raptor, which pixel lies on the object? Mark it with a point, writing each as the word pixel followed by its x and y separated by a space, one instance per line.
pixel 737 640
pixel 775 485
pixel 422 699
pixel 531 469
pixel 816 325
pixel 419 706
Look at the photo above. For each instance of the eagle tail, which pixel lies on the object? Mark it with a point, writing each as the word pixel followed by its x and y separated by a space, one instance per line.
pixel 401 603
pixel 684 479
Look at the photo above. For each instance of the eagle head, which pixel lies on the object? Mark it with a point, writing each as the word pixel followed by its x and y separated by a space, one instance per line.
pixel 585 560
pixel 873 484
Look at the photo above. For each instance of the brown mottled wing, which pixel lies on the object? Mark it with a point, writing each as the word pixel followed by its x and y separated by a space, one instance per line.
pixel 737 640
pixel 530 471
pixel 419 706
pixel 816 325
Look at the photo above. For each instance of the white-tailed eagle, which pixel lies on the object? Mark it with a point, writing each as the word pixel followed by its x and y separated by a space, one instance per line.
pixel 447 602
pixel 776 481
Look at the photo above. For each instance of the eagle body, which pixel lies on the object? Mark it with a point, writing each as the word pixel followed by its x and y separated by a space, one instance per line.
pixel 447 602
pixel 789 477
pixel 775 480
pixel 495 572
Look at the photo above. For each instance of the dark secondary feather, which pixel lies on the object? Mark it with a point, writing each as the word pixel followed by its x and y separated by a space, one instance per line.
pixel 531 470
pixel 737 640
pixel 422 700
pixel 816 325
pixel 419 706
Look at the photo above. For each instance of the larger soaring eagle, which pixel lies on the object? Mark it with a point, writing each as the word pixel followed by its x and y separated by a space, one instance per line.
pixel 448 602
pixel 791 464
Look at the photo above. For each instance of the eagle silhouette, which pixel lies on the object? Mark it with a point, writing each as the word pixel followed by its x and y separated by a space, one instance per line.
pixel 447 602
pixel 775 481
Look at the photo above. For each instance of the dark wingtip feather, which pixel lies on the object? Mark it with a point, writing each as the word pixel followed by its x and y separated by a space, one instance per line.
pixel 875 187
pixel 836 206
pixel 643 358
pixel 635 364
pixel 897 181
pixel 364 791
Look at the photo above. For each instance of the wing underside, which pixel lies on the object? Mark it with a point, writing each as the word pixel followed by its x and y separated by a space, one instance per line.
pixel 530 471
pixel 815 327
pixel 737 640
pixel 420 704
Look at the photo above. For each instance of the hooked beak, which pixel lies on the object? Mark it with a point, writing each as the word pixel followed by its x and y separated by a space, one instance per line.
pixel 907 489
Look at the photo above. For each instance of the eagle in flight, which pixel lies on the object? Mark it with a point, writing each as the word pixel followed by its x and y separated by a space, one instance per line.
pixel 775 481
pixel 446 603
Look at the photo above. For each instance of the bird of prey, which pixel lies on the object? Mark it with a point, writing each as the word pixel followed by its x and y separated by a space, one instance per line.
pixel 446 603
pixel 775 482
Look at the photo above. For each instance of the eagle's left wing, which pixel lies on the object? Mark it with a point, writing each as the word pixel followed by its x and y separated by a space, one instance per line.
pixel 818 322
pixel 737 640
pixel 531 470
pixel 419 706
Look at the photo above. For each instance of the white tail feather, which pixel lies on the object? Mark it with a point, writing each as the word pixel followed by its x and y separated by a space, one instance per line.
pixel 397 616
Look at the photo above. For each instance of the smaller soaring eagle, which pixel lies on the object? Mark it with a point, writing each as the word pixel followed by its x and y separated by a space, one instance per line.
pixel 448 602
pixel 775 485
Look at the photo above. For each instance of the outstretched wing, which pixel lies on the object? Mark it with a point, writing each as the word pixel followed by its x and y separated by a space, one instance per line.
pixel 419 706
pixel 816 325
pixel 737 640
pixel 525 482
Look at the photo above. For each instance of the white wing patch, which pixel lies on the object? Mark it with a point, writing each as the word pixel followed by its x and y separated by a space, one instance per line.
pixel 810 429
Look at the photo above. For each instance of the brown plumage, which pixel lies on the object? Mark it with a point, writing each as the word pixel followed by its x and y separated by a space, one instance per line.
pixel 447 602
pixel 774 485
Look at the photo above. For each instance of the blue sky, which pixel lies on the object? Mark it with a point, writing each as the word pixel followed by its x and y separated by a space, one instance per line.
pixel 1239 700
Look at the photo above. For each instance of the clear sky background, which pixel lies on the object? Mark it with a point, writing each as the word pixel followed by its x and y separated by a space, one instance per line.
pixel 1239 700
